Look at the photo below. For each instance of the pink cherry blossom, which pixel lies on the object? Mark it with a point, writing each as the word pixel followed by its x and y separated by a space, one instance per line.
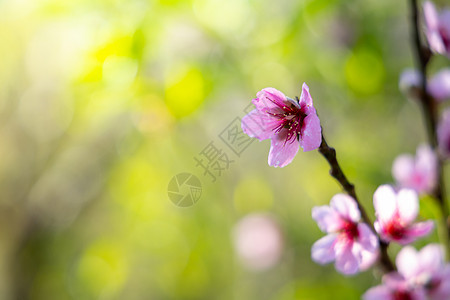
pixel 426 269
pixel 287 122
pixel 443 133
pixel 396 213
pixel 352 245
pixel 420 275
pixel 437 28
pixel 439 85
pixel 394 287
pixel 258 241
pixel 419 173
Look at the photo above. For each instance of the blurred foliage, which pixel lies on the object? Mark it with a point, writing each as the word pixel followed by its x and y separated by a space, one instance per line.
pixel 103 101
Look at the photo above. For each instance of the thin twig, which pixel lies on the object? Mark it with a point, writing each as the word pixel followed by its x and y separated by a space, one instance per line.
pixel 335 170
pixel 429 108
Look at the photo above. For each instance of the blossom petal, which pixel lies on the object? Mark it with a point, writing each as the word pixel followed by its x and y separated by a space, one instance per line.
pixel 394 280
pixel 444 28
pixel 443 132
pixel 439 85
pixel 435 25
pixel 402 169
pixel 380 230
pixel 442 292
pixel 305 97
pixel 378 292
pixel 419 293
pixel 396 283
pixel 417 230
pixel 367 238
pixel 420 173
pixel 327 218
pixel 431 258
pixel 408 205
pixel 311 133
pixel 407 262
pixel 431 15
pixel 269 99
pixel 432 21
pixel 281 152
pixel 346 207
pixel 346 262
pixel 426 165
pixel 368 259
pixel 435 41
pixel 385 202
pixel 444 22
pixel 366 247
pixel 258 125
pixel 322 251
pixel 426 158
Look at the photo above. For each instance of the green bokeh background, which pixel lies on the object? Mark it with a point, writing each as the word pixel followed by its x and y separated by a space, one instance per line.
pixel 103 102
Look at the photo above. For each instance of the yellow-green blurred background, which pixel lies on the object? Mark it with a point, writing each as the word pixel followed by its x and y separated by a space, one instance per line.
pixel 102 102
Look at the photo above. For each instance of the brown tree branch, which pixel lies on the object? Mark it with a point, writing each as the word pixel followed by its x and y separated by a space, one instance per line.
pixel 429 109
pixel 335 170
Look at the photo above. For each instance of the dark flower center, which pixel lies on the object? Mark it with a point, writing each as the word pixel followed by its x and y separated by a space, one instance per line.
pixel 448 145
pixel 433 284
pixel 402 295
pixel 445 37
pixel 395 229
pixel 351 230
pixel 291 121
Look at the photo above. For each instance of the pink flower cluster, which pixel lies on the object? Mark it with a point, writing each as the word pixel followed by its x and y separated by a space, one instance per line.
pixel 351 242
pixel 353 245
pixel 437 31
pixel 421 275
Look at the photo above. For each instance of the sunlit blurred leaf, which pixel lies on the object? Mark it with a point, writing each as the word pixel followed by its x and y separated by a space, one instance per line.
pixel 184 91
pixel 302 290
pixel 429 208
pixel 364 71
pixel 103 268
